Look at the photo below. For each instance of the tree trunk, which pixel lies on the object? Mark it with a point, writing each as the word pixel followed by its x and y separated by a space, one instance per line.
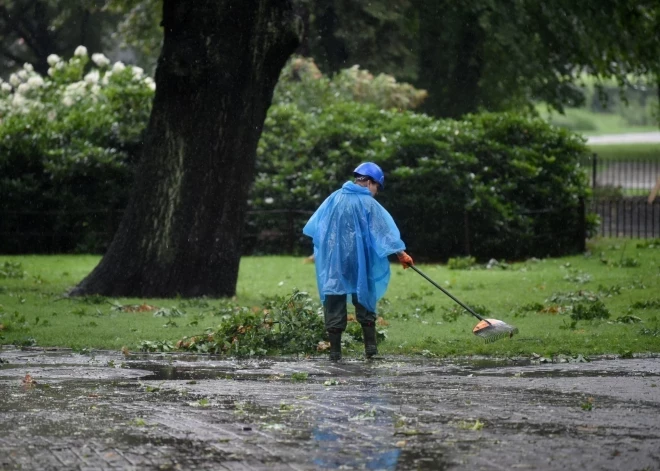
pixel 451 58
pixel 334 52
pixel 215 77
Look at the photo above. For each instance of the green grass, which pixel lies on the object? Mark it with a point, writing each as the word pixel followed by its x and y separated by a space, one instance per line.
pixel 420 317
pixel 621 152
pixel 590 123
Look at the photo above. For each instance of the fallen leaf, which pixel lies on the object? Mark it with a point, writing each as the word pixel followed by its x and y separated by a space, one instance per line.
pixel 28 379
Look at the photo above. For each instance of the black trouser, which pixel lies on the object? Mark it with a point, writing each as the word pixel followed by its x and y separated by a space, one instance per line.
pixel 334 309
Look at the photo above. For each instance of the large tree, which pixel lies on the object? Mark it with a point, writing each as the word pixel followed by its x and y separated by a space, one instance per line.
pixel 504 54
pixel 215 77
pixel 489 54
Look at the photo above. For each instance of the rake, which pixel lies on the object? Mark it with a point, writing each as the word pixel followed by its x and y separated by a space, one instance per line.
pixel 488 329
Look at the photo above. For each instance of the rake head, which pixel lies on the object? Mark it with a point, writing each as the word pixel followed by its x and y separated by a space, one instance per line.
pixel 492 329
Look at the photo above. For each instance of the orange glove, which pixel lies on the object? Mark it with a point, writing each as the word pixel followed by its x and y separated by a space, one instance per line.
pixel 405 259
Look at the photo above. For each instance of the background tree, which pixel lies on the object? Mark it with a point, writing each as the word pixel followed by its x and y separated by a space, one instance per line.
pixel 30 30
pixel 215 77
pixel 510 54
pixel 490 55
pixel 138 28
pixel 377 35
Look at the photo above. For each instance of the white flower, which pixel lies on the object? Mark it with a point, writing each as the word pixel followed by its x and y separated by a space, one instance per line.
pixel 27 66
pixel 18 101
pixel 137 72
pixel 22 74
pixel 75 89
pixel 51 71
pixel 67 101
pixel 92 77
pixel 35 81
pixel 53 59
pixel 269 200
pixel 118 66
pixel 52 115
pixel 106 77
pixel 23 88
pixel 149 82
pixel 81 51
pixel 100 59
pixel 14 80
pixel 6 87
pixel 59 66
pixel 95 89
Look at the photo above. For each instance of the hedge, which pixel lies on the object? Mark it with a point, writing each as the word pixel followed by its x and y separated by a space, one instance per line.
pixel 493 185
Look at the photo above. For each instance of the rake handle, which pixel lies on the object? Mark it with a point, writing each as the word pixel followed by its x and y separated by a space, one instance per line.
pixel 448 294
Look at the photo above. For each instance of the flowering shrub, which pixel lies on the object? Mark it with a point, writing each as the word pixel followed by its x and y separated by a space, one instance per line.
pixel 302 83
pixel 67 144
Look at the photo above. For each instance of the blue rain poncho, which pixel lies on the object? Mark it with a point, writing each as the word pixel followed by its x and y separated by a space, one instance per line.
pixel 353 235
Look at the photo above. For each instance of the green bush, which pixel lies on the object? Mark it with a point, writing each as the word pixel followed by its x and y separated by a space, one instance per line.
pixel 493 185
pixel 301 83
pixel 510 184
pixel 68 144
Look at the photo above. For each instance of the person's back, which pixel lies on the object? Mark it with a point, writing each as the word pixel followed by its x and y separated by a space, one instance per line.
pixel 344 239
pixel 353 235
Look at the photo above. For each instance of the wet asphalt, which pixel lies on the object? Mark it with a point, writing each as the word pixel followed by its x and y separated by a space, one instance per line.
pixel 61 410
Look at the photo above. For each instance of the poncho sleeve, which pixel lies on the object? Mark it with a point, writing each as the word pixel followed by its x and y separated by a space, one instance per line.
pixel 312 227
pixel 385 235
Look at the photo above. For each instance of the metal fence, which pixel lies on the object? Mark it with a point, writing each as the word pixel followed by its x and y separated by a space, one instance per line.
pixel 627 217
pixel 623 193
pixel 629 177
pixel 91 231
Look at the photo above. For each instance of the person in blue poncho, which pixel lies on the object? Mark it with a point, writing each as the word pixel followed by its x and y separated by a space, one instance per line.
pixel 353 235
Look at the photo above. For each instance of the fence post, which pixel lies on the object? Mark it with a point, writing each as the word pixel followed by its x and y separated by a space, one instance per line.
pixel 290 230
pixel 594 170
pixel 466 232
pixel 581 236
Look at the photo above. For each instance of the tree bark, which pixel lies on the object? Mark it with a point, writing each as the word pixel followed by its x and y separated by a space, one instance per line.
pixel 181 232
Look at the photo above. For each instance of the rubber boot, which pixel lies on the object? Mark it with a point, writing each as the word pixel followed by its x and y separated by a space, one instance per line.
pixel 335 344
pixel 369 334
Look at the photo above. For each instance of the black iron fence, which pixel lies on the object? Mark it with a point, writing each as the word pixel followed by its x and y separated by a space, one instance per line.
pixel 627 217
pixel 622 201
pixel 91 231
pixel 622 177
pixel 625 195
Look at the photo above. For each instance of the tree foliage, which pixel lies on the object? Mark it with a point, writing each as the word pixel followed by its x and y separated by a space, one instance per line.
pixel 488 55
pixel 30 30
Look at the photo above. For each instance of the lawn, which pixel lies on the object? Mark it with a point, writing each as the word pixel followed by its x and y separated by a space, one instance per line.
pixel 617 283
pixel 622 152
pixel 591 123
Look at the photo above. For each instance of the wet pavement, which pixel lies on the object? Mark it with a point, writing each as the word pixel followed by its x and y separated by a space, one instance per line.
pixel 104 410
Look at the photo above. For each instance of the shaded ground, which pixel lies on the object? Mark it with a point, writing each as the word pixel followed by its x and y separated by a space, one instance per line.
pixel 107 411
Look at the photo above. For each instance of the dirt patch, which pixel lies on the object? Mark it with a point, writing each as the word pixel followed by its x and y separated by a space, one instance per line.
pixel 105 410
